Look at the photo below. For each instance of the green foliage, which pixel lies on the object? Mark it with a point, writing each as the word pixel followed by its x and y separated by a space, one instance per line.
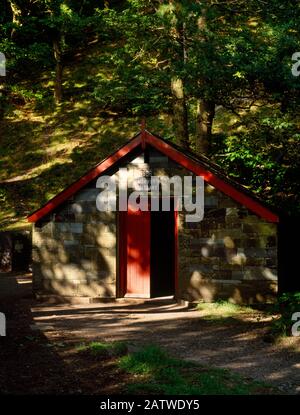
pixel 118 64
pixel 241 61
pixel 265 158
pixel 3 195
pixel 287 304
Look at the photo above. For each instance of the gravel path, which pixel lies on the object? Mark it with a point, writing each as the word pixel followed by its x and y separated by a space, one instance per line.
pixel 234 343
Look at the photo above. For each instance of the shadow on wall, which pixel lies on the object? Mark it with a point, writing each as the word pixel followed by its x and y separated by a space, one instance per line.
pixel 240 292
pixel 225 272
pixel 236 264
pixel 75 259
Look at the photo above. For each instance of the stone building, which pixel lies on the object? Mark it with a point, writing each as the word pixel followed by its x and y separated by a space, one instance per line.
pixel 79 251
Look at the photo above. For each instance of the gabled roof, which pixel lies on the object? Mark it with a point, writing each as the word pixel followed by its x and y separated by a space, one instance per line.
pixel 199 165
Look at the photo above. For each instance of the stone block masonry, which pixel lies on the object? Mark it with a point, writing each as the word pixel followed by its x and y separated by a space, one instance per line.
pixel 76 258
pixel 230 254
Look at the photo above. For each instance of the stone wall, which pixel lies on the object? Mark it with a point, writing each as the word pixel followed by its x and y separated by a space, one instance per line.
pixel 74 251
pixel 230 254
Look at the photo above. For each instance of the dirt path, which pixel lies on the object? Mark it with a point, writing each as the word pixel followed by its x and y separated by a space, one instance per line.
pixel 234 343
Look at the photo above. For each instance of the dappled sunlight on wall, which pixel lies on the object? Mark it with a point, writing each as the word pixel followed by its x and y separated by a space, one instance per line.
pixel 231 254
pixel 76 258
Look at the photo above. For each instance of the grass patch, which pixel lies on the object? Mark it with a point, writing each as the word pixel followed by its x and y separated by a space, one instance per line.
pixel 101 349
pixel 222 309
pixel 155 372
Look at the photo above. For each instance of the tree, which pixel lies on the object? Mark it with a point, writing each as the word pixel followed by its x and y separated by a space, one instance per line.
pixel 180 112
pixel 58 22
pixel 40 34
pixel 211 53
pixel 202 62
pixel 16 17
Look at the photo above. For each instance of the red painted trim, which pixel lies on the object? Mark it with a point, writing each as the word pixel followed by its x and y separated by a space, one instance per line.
pixel 176 252
pixel 143 139
pixel 122 251
pixel 211 178
pixel 84 180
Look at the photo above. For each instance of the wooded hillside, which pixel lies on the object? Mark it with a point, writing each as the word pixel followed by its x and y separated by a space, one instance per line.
pixel 213 75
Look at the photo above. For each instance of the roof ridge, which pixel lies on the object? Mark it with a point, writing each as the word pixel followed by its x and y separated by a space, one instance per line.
pixel 211 172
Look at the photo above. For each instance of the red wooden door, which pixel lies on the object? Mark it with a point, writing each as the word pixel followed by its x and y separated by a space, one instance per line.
pixel 138 253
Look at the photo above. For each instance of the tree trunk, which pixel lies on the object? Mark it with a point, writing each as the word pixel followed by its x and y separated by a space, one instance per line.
pixel 205 107
pixel 16 17
pixel 204 121
pixel 58 71
pixel 180 114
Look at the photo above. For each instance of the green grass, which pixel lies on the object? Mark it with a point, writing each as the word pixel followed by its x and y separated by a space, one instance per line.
pixel 222 309
pixel 155 372
pixel 103 349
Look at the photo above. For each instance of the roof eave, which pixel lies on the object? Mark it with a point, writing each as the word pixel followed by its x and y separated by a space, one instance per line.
pixel 196 166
